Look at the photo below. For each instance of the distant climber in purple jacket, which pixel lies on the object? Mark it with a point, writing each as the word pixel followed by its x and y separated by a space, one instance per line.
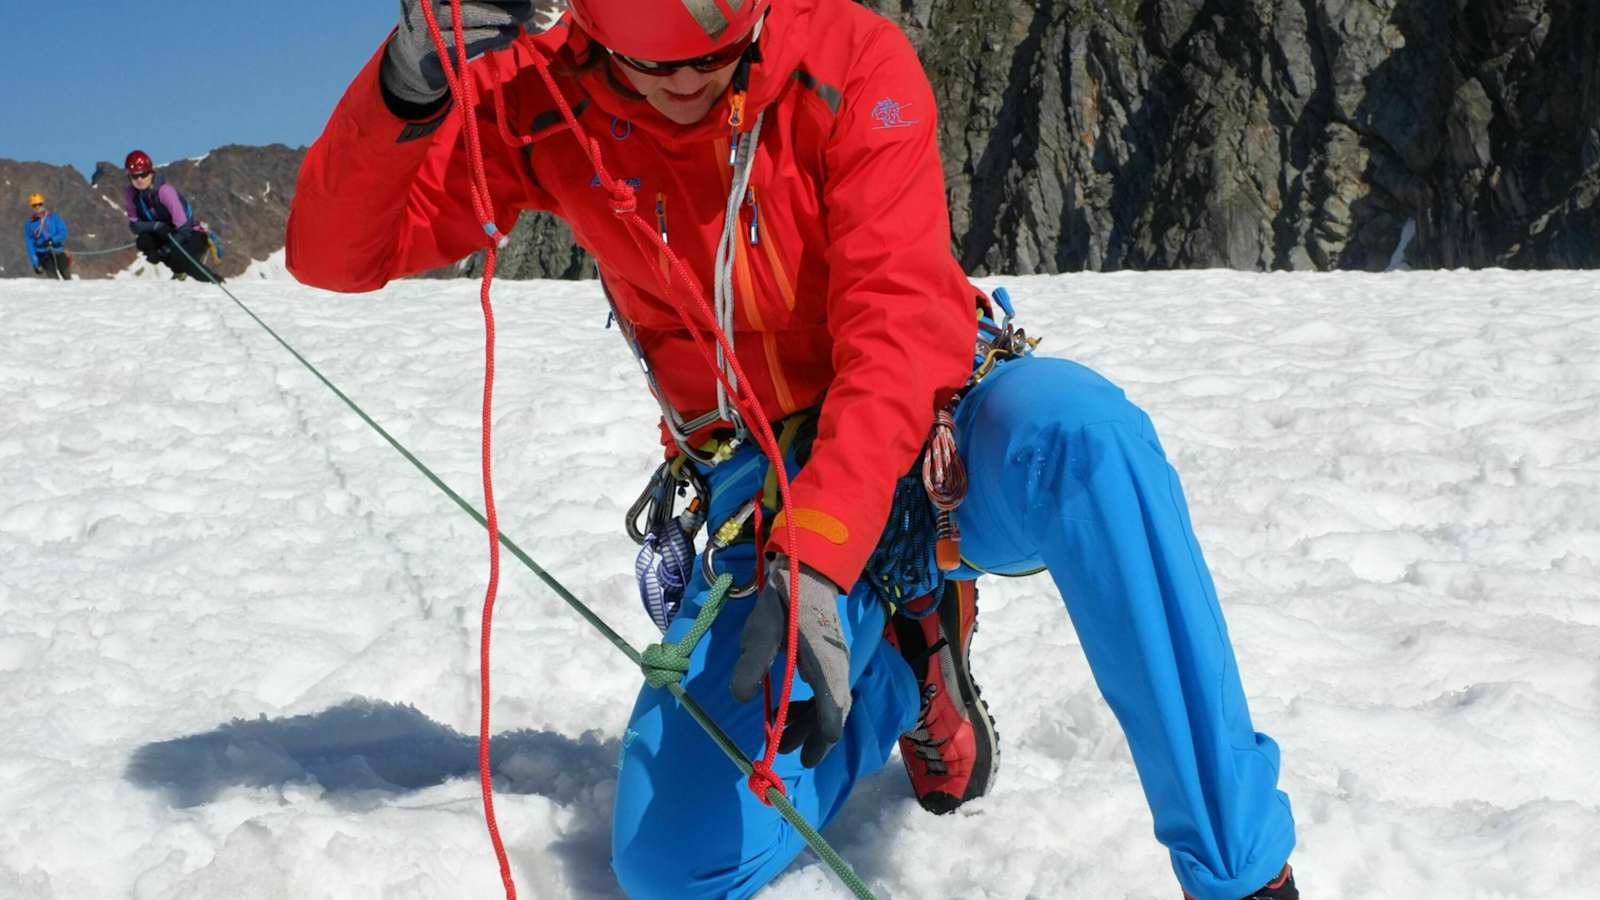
pixel 163 221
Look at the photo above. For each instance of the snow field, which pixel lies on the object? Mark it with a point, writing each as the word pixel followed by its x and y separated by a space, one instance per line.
pixel 238 633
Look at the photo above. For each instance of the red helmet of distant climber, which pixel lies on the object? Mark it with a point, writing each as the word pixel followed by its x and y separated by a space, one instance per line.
pixel 663 30
pixel 138 163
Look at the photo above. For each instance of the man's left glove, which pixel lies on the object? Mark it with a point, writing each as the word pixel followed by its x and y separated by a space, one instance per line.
pixel 823 660
pixel 411 69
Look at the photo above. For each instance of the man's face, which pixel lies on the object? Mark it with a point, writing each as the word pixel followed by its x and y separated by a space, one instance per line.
pixel 685 90
pixel 686 95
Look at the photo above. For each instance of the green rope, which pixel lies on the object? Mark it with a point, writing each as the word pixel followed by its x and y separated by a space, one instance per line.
pixel 713 730
pixel 102 252
pixel 664 663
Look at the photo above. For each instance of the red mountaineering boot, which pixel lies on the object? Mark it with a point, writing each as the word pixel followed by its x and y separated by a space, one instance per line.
pixel 953 752
pixel 1280 888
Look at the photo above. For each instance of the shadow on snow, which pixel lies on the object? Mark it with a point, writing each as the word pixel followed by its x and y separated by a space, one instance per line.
pixel 362 750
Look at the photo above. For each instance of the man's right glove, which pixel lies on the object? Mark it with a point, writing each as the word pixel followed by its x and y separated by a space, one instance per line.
pixel 411 70
pixel 823 660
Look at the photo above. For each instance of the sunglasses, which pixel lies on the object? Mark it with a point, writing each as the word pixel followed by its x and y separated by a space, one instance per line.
pixel 134 177
pixel 711 62
pixel 37 205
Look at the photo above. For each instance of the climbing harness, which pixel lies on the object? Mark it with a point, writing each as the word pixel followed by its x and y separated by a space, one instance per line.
pixel 679 429
pixel 796 433
pixel 921 541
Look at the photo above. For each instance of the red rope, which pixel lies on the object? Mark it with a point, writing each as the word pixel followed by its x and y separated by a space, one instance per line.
pixel 464 90
pixel 624 204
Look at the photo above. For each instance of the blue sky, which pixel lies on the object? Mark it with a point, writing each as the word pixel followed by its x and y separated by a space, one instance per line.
pixel 89 80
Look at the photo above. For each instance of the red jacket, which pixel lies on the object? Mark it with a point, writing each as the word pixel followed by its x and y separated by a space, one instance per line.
pixel 850 295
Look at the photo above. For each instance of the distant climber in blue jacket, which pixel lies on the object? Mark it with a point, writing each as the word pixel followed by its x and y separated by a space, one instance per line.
pixel 45 236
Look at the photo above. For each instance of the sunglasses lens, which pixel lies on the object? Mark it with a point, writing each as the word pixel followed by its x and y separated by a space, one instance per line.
pixel 708 63
pixel 649 67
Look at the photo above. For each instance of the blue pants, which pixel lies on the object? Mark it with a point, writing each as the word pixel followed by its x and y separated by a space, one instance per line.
pixel 1064 473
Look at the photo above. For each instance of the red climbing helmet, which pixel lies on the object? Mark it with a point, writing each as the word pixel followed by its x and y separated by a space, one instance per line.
pixel 664 30
pixel 138 163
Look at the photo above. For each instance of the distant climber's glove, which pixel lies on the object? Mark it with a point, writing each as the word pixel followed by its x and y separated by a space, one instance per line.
pixel 823 660
pixel 162 229
pixel 38 270
pixel 411 70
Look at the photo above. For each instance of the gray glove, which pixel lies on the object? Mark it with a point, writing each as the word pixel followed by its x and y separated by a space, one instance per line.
pixel 411 70
pixel 823 660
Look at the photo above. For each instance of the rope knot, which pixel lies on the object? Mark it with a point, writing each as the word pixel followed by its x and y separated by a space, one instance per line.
pixel 663 664
pixel 761 778
pixel 623 200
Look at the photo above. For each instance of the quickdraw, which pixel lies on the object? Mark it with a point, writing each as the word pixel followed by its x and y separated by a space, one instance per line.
pixel 921 540
pixel 663 537
pixel 666 539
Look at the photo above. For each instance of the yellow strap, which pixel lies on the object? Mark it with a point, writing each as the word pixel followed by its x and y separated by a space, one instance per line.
pixel 786 436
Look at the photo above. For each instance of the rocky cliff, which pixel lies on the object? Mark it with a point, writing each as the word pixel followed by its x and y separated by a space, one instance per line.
pixel 1266 134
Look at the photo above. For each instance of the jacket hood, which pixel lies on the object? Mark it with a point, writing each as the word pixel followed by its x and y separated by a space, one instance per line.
pixel 783 41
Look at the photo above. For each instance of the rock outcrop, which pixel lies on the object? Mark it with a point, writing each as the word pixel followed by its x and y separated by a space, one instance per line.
pixel 1266 134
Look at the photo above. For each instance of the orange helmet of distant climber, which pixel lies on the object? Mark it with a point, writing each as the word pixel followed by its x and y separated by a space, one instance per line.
pixel 36 199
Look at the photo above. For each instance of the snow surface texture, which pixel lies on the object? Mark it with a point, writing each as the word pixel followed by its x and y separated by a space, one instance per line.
pixel 238 633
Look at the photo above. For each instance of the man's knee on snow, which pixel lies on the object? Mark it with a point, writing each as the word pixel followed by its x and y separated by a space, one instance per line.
pixel 674 829
pixel 677 860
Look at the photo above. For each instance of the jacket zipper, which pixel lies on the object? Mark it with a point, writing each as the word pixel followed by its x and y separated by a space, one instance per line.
pixel 661 226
